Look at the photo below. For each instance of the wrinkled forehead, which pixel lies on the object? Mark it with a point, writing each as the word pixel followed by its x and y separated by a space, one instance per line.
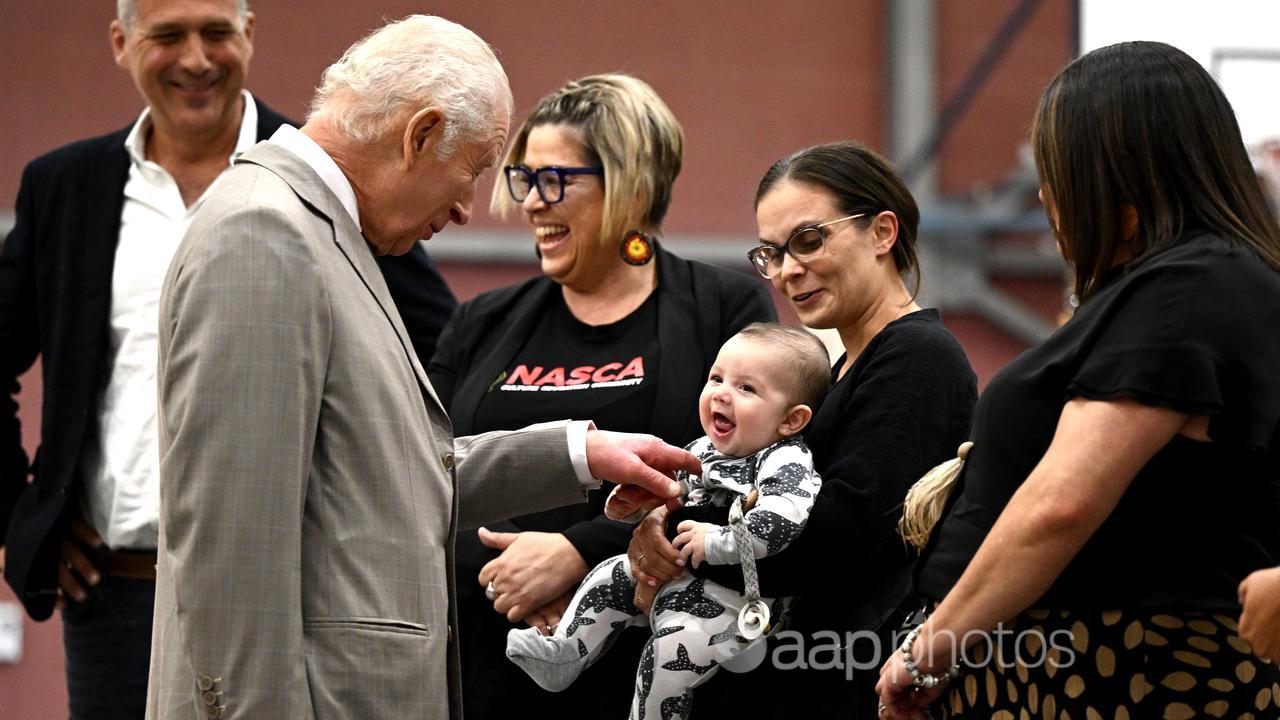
pixel 186 12
pixel 489 150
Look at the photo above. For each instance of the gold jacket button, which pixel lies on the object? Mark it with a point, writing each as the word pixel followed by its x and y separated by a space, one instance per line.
pixel 447 461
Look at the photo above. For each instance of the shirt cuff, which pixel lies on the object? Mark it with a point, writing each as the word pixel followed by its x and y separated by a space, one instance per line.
pixel 576 432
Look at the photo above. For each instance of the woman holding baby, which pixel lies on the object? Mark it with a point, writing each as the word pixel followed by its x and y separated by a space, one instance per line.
pixel 838 230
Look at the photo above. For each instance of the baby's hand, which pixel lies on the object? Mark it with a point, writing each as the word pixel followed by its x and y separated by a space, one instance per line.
pixel 690 540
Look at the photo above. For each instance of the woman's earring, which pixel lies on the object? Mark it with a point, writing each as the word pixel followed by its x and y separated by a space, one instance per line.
pixel 637 248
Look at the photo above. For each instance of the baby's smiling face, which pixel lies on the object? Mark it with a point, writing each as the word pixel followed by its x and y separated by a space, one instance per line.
pixel 749 400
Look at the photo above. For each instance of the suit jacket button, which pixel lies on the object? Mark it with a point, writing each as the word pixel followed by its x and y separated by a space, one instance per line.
pixel 205 682
pixel 447 460
pixel 213 711
pixel 210 697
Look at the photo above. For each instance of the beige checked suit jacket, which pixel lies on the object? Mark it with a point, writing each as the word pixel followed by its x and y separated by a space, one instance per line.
pixel 310 484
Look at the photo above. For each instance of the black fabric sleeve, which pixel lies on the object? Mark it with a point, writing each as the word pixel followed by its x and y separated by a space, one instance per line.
pixel 421 295
pixel 19 344
pixel 599 538
pixel 444 367
pixel 909 411
pixel 1164 343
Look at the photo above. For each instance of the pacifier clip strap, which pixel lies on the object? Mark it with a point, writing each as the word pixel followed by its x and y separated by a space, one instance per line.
pixel 753 619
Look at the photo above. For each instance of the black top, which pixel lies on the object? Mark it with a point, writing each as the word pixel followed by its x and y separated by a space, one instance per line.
pixel 569 369
pixel 902 408
pixel 1196 329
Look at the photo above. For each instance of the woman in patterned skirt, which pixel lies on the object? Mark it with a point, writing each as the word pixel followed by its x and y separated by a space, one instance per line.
pixel 1125 474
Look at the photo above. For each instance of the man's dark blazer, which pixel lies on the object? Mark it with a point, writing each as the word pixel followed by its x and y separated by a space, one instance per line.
pixel 55 303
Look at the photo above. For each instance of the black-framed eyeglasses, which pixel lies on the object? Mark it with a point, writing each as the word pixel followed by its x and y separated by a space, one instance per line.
pixel 549 180
pixel 804 244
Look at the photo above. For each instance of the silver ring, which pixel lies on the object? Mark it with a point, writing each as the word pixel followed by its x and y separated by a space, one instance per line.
pixel 880 710
pixel 489 592
pixel 641 558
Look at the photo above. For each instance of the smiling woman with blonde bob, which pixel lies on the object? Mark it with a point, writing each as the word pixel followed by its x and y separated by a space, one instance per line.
pixel 616 330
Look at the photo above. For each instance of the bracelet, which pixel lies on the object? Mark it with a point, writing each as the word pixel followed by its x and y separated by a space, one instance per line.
pixel 919 679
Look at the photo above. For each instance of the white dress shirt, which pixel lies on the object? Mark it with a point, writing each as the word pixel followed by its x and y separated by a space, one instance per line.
pixel 121 461
pixel 298 143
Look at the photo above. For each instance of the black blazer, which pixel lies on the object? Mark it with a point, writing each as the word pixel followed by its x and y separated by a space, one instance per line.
pixel 55 302
pixel 699 307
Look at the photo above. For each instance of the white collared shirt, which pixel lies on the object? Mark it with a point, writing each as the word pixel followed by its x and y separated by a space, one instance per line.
pixel 121 461
pixel 298 143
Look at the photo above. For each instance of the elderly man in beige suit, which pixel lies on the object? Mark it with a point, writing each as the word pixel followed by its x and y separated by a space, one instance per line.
pixel 310 484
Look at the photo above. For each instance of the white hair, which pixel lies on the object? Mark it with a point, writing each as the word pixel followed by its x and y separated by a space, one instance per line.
pixel 127 12
pixel 414 63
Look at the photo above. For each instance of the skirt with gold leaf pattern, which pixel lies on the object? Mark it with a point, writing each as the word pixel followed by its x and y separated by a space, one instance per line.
pixel 1113 665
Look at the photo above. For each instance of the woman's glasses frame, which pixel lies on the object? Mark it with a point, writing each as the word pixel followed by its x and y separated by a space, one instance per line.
pixel 549 180
pixel 804 244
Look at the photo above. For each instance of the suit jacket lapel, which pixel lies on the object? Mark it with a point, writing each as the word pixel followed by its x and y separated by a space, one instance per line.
pixel 95 255
pixel 315 193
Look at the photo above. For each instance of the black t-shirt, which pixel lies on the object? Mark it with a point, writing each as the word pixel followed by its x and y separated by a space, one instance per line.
pixel 569 369
pixel 1195 328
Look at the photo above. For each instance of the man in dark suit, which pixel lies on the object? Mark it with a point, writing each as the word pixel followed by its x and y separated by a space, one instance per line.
pixel 80 274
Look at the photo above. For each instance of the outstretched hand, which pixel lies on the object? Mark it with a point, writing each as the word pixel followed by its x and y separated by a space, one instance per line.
pixel 642 465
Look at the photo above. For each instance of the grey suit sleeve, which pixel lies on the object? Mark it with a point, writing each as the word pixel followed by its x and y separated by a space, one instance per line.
pixel 503 474
pixel 245 331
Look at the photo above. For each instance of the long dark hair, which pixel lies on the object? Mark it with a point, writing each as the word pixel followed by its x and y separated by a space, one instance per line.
pixel 1142 124
pixel 861 182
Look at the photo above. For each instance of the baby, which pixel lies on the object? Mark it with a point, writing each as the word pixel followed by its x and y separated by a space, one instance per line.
pixel 760 393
